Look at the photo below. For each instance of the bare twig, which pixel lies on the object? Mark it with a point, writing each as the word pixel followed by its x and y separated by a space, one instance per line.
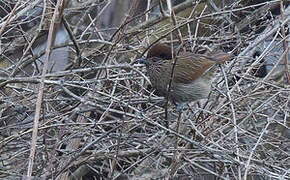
pixel 50 41
pixel 284 43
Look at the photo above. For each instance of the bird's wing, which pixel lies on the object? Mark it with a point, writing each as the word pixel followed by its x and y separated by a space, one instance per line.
pixel 190 67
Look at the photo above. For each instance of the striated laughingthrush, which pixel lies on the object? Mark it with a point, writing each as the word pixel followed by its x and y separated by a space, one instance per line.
pixel 191 77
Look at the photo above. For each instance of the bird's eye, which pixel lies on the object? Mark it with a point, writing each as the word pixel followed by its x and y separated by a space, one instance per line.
pixel 155 59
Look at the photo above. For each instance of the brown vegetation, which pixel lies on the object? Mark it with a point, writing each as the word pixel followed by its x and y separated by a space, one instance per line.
pixel 75 105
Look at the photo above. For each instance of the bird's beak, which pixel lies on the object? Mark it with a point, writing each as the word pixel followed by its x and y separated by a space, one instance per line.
pixel 141 60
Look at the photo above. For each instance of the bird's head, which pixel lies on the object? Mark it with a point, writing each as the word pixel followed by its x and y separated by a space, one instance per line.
pixel 156 53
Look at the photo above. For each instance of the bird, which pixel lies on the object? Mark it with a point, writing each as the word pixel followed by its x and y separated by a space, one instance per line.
pixel 191 80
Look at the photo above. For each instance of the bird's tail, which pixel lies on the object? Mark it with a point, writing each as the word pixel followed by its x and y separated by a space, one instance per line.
pixel 222 57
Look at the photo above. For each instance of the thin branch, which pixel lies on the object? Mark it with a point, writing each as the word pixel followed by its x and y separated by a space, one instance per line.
pixel 51 37
pixel 284 43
